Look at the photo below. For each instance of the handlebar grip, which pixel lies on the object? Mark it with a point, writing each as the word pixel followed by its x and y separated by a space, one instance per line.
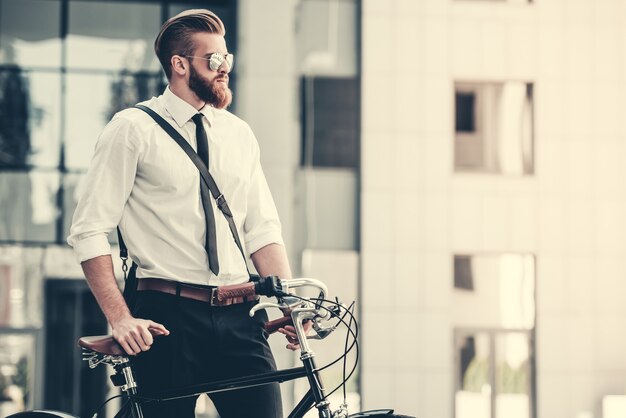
pixel 272 326
pixel 235 291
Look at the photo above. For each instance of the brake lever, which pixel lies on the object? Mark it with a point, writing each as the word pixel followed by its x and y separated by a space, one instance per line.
pixel 321 332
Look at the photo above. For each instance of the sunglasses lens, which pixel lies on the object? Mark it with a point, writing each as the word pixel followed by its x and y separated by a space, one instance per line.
pixel 217 60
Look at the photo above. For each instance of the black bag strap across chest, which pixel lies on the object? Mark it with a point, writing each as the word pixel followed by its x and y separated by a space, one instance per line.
pixel 204 175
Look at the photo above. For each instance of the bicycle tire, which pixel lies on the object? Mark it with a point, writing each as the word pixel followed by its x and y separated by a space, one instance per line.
pixel 378 414
pixel 42 414
pixel 381 416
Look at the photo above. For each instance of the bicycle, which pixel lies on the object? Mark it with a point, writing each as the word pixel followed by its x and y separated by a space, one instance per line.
pixel 325 315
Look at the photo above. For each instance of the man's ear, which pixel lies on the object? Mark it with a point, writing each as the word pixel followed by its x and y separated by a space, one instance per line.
pixel 179 66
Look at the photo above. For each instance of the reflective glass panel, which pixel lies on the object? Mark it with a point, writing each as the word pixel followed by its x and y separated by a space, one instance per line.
pixel 473 397
pixel 28 209
pixel 87 114
pixel 29 118
pixel 494 290
pixel 326 38
pixel 29 33
pixel 512 375
pixel 113 35
pixel 17 372
pixel 494 127
pixel 44 118
pixel 221 11
pixel 21 277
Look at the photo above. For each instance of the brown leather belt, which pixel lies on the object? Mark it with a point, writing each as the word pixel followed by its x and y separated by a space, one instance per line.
pixel 203 294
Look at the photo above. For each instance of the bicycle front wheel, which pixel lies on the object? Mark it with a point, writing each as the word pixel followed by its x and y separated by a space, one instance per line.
pixel 379 413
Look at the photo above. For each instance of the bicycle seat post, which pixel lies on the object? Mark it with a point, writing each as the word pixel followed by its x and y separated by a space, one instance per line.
pixel 129 386
pixel 104 349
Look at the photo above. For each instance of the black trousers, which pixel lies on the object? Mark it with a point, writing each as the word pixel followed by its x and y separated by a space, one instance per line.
pixel 205 344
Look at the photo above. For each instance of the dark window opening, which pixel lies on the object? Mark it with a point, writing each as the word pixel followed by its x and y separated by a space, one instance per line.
pixel 465 112
pixel 329 122
pixel 463 277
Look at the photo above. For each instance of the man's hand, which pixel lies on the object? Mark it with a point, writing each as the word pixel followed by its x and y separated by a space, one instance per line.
pixel 289 331
pixel 135 334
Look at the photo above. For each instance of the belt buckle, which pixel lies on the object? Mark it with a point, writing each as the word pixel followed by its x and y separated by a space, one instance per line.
pixel 213 301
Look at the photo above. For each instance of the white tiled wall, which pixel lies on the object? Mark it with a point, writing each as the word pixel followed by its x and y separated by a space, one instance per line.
pixel 266 97
pixel 416 212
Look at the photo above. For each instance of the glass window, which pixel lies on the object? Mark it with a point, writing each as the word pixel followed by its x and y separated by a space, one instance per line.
pixel 15 146
pixel 30 33
pixel 494 374
pixel 330 131
pixel 17 372
pixel 29 118
pixel 113 35
pixel 473 396
pixel 44 118
pixel 512 378
pixel 493 125
pixel 21 276
pixel 505 1
pixel 465 111
pixel 494 290
pixel 494 318
pixel 326 38
pixel 219 7
pixel 87 114
pixel 31 214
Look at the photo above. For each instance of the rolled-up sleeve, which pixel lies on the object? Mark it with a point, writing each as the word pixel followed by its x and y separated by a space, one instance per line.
pixel 262 225
pixel 105 190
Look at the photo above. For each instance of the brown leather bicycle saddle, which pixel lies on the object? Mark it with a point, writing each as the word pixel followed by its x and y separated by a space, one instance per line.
pixel 103 344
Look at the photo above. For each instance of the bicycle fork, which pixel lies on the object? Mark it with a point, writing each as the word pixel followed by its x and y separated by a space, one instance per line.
pixel 316 394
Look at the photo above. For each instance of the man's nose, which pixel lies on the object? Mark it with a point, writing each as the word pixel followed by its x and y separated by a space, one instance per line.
pixel 224 68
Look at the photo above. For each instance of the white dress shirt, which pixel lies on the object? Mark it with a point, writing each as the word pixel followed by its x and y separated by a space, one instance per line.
pixel 142 180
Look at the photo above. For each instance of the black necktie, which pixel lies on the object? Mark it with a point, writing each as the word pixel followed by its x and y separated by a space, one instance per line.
pixel 203 152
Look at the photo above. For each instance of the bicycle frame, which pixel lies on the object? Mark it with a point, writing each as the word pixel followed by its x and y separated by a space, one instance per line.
pixel 315 395
pixel 104 349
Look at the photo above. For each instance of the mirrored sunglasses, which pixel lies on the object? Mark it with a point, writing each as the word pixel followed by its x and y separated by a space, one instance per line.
pixel 216 59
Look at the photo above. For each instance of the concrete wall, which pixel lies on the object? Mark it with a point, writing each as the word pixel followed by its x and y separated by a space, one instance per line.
pixel 417 212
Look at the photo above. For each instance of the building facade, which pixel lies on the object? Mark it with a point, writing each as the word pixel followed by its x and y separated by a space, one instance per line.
pixel 492 206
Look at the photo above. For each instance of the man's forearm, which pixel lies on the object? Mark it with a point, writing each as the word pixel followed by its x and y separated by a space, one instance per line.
pixel 272 260
pixel 99 273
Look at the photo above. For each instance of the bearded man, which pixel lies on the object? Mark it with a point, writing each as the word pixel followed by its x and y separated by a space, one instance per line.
pixel 142 182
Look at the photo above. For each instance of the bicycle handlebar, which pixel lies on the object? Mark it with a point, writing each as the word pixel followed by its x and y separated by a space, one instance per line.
pixel 265 286
pixel 268 286
pixel 271 286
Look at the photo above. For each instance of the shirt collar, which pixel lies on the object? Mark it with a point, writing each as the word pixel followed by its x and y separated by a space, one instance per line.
pixel 182 111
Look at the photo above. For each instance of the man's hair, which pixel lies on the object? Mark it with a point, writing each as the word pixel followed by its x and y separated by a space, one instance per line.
pixel 175 35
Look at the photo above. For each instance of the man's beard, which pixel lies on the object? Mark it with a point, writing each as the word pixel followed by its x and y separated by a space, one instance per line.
pixel 213 92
